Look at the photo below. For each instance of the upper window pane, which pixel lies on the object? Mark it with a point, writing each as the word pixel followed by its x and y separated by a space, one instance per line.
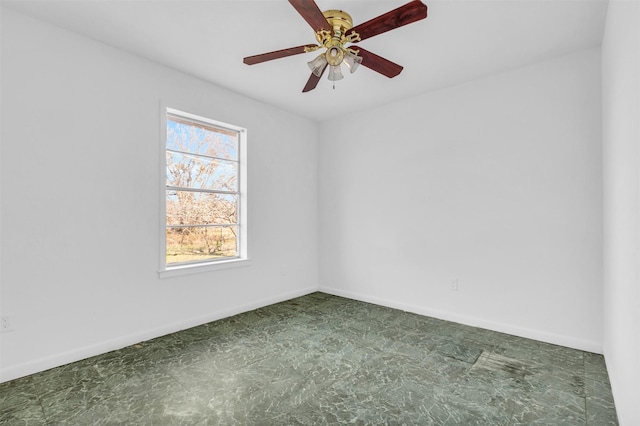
pixel 200 172
pixel 199 138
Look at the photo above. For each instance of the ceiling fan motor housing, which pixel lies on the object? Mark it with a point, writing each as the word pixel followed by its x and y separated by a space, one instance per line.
pixel 340 22
pixel 334 41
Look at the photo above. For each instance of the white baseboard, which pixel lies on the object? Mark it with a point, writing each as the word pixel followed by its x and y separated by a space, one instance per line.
pixel 78 354
pixel 540 335
pixel 46 363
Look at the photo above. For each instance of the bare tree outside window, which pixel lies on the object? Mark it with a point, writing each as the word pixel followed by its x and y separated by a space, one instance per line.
pixel 202 191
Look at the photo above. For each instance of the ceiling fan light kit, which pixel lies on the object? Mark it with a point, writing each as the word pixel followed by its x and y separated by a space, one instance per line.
pixel 334 30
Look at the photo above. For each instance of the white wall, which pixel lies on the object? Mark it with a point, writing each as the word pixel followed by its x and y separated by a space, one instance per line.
pixel 80 198
pixel 621 153
pixel 496 182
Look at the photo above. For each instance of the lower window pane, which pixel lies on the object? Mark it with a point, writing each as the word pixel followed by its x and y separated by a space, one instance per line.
pixel 200 243
pixel 202 208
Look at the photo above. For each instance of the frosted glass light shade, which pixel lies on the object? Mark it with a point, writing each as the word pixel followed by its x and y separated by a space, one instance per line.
pixel 317 65
pixel 352 61
pixel 335 73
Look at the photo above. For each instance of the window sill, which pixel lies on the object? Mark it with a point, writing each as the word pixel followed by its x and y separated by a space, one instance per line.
pixel 175 271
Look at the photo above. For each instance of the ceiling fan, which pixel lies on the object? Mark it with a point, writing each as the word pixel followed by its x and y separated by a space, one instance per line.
pixel 334 30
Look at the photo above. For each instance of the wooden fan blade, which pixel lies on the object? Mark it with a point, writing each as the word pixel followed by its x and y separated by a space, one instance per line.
pixel 379 64
pixel 277 54
pixel 311 13
pixel 313 81
pixel 410 12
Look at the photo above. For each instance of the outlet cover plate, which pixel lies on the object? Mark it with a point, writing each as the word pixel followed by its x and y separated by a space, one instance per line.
pixel 5 324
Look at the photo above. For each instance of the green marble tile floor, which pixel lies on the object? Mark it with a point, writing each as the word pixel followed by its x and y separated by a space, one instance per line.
pixel 317 360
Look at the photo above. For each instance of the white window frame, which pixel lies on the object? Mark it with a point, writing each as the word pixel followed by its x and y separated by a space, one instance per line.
pixel 242 258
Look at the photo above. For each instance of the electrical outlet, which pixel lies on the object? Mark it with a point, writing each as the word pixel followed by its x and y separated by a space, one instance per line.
pixel 453 284
pixel 5 324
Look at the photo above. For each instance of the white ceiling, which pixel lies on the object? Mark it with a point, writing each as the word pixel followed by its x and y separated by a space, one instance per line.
pixel 459 41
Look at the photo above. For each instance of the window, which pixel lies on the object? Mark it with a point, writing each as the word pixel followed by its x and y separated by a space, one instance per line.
pixel 205 191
